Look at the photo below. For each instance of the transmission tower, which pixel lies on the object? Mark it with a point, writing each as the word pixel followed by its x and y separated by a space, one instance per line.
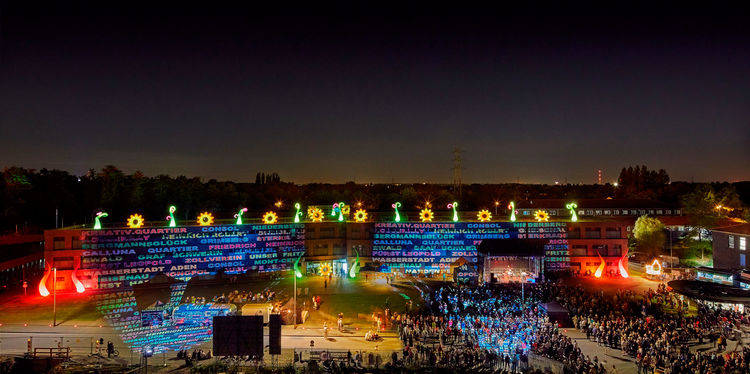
pixel 457 171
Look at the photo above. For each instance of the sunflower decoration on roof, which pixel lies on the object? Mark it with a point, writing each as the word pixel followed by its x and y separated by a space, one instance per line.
pixel 206 219
pixel 426 215
pixel 360 215
pixel 541 215
pixel 484 215
pixel 135 221
pixel 270 218
pixel 315 214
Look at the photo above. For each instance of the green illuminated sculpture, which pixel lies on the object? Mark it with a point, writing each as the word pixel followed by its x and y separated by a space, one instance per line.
pixel 172 221
pixel 239 216
pixel 338 208
pixel 297 272
pixel 341 211
pixel 512 207
pixel 572 207
pixel 396 206
pixel 97 224
pixel 298 214
pixel 355 266
pixel 455 210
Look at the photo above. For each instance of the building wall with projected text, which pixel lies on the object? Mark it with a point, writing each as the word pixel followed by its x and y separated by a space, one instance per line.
pixel 415 247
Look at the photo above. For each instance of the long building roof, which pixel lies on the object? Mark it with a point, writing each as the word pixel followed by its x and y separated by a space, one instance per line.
pixel 593 204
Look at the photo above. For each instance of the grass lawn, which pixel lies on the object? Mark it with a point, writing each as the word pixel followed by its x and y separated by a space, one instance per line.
pixel 35 309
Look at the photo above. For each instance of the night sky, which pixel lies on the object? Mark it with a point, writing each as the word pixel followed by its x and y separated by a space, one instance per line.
pixel 376 94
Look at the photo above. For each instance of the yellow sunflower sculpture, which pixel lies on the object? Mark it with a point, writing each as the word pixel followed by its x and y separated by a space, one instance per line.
pixel 206 219
pixel 426 215
pixel 135 221
pixel 360 215
pixel 315 214
pixel 324 269
pixel 270 218
pixel 541 215
pixel 484 215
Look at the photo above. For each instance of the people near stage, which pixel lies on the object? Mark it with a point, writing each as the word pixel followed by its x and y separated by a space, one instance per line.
pixel 653 327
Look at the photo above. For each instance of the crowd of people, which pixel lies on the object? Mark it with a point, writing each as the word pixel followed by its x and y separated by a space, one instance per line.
pixel 492 327
pixel 653 327
pixel 242 297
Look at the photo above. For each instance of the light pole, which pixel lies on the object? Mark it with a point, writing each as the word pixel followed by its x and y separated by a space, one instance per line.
pixel 669 232
pixel 54 297
pixel 523 280
pixel 294 312
pixel 497 203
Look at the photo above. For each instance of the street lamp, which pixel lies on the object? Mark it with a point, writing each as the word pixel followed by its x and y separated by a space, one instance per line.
pixel 54 297
pixel 497 203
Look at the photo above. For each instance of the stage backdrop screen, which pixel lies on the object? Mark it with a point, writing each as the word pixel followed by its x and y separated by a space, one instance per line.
pixel 124 257
pixel 433 246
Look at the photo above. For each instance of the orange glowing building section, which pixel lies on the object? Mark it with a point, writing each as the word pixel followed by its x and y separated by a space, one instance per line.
pixel 79 286
pixel 623 271
pixel 43 284
pixel 600 269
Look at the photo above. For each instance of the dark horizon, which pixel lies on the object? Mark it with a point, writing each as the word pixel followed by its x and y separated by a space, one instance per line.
pixel 372 95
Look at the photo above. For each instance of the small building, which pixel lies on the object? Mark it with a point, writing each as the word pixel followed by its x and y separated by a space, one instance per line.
pixel 730 244
pixel 21 260
pixel 716 275
pixel 714 294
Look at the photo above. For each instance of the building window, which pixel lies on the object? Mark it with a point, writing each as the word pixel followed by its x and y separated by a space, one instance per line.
pixel 327 232
pixel 58 243
pixel 574 233
pixel 612 232
pixel 731 241
pixel 615 250
pixel 598 250
pixel 593 233
pixel 339 250
pixel 63 263
pixel 742 259
pixel 743 244
pixel 578 250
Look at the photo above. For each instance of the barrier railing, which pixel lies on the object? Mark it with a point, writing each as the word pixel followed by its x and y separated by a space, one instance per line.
pixel 57 352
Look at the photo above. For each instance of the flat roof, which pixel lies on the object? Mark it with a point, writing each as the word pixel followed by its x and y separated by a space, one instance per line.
pixel 594 203
pixel 711 291
pixel 739 228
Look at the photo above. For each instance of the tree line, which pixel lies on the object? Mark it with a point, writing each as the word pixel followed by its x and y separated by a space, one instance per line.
pixel 35 200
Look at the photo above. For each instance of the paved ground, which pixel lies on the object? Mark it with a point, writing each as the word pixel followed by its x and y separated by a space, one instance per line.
pixel 357 299
pixel 79 325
